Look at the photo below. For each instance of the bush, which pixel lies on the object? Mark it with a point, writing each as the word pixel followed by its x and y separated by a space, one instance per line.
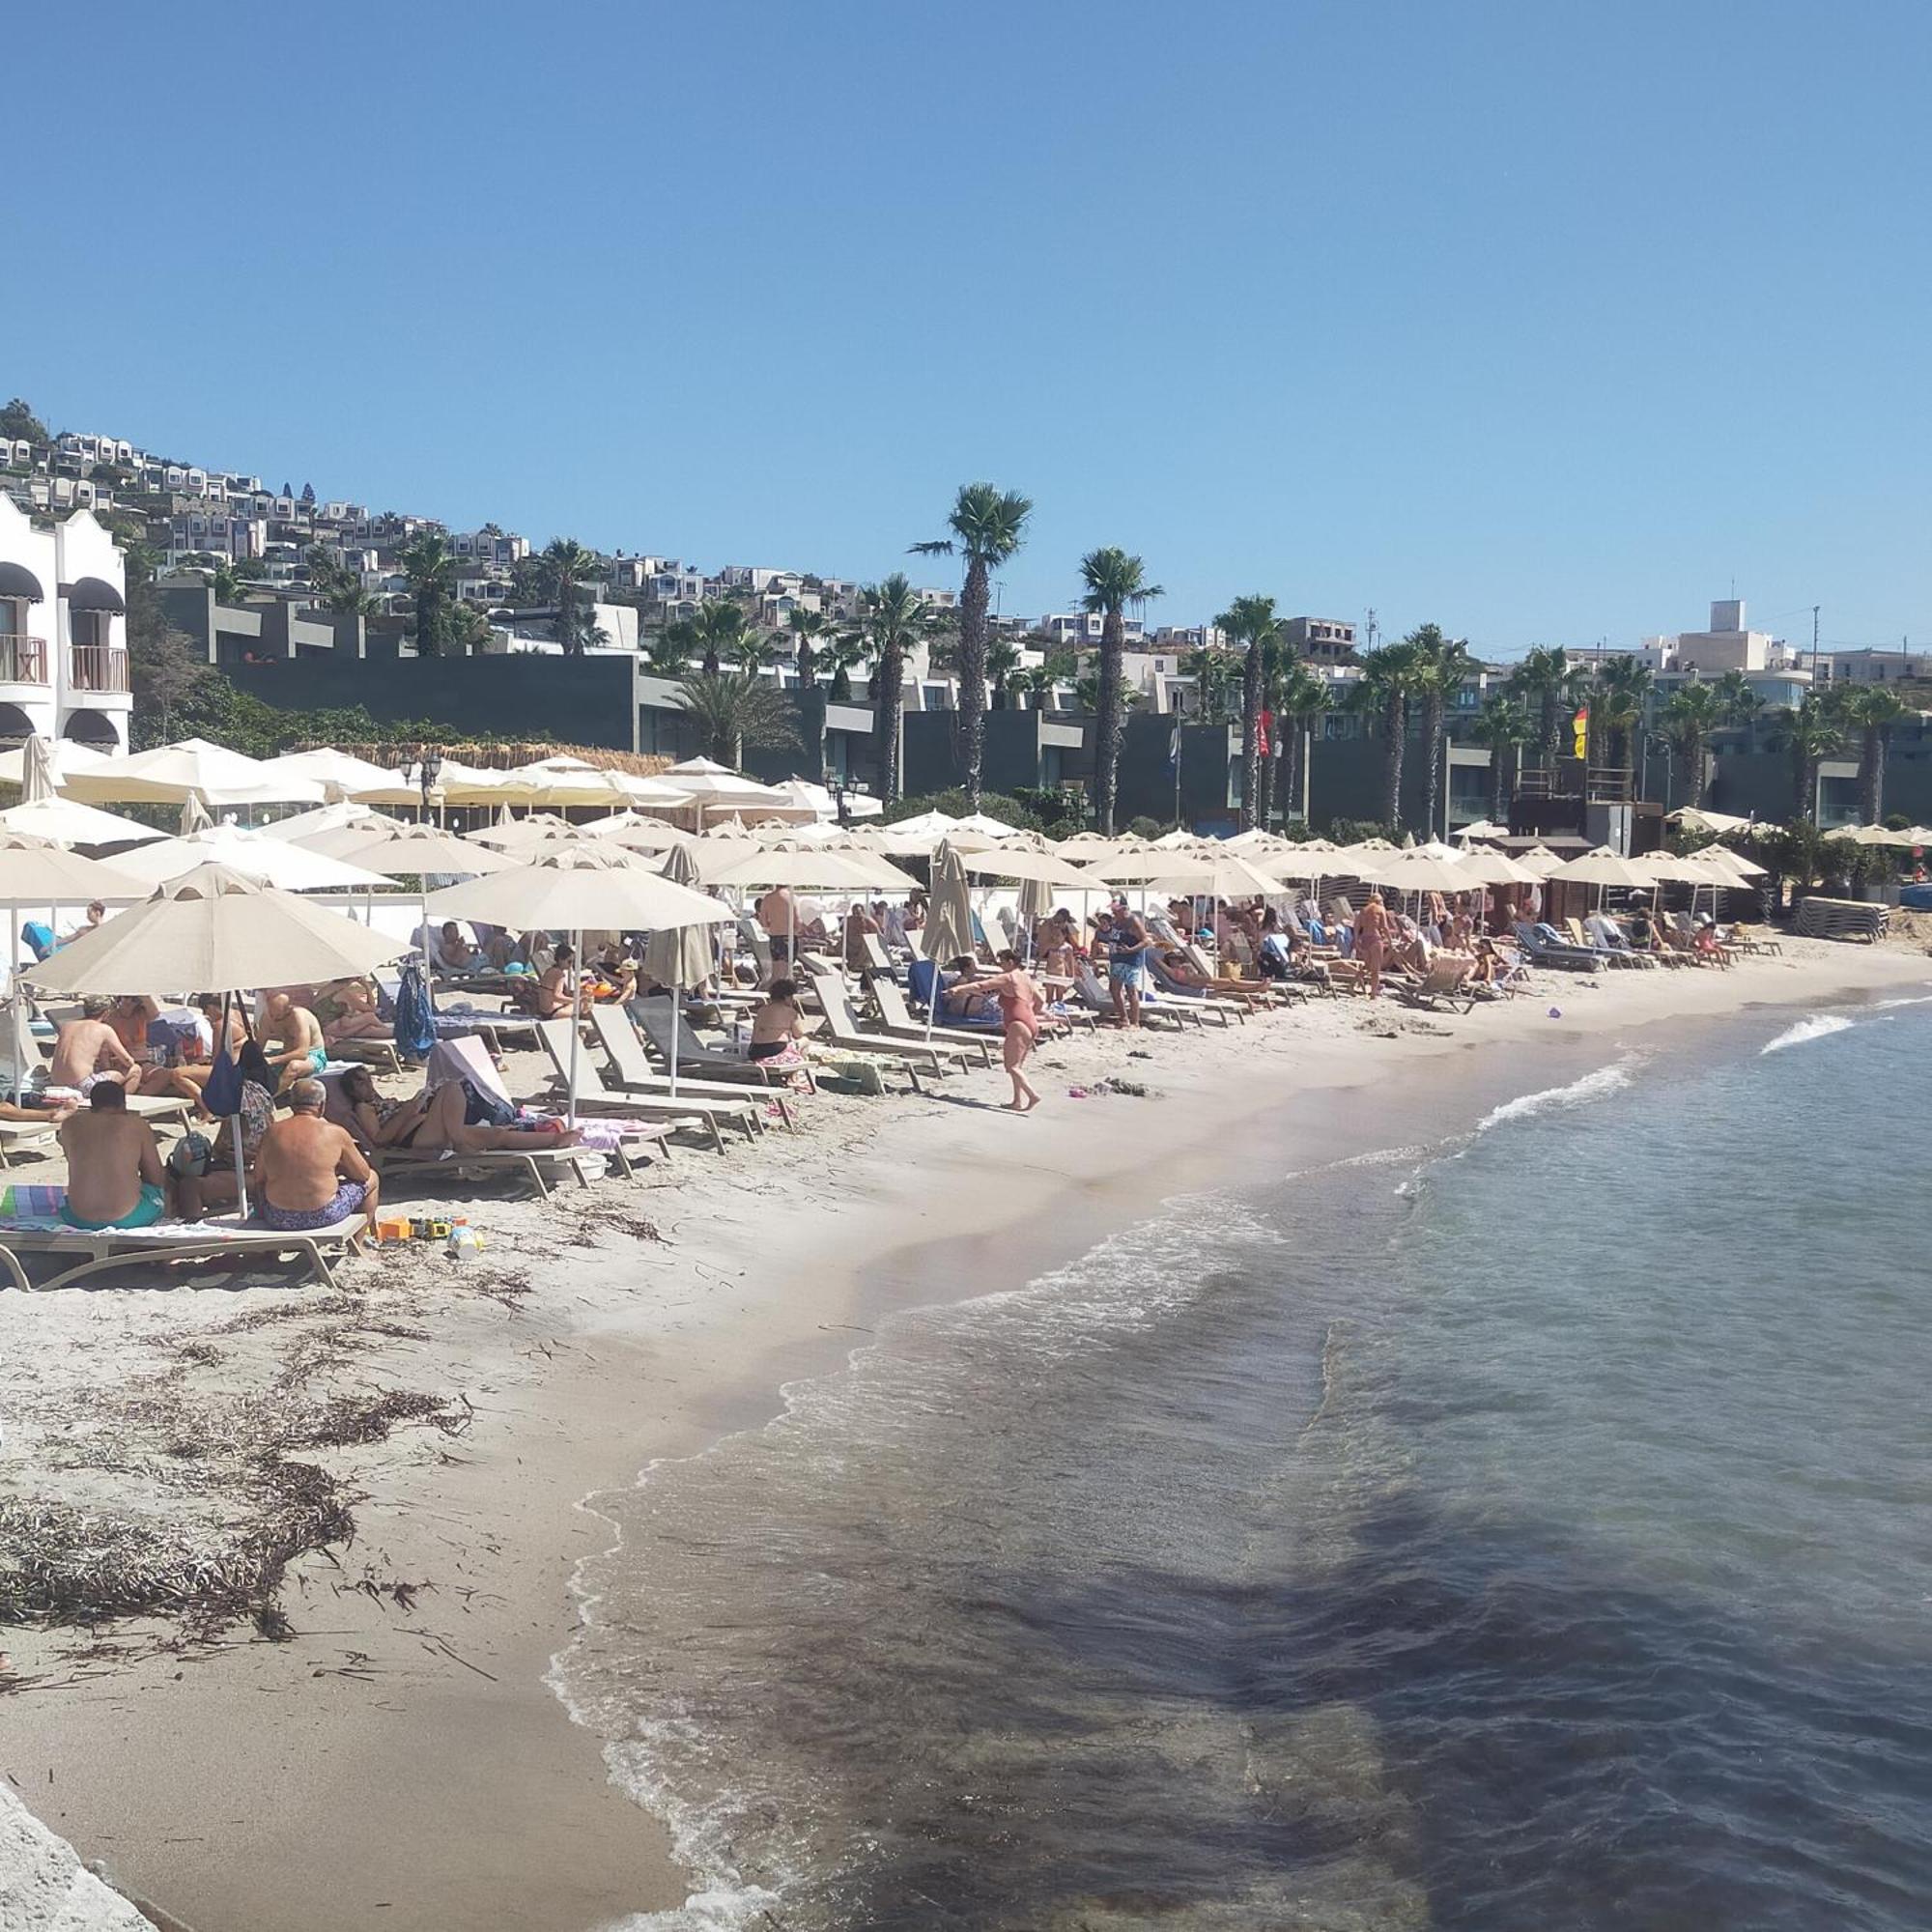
pixel 1353 831
pixel 1145 827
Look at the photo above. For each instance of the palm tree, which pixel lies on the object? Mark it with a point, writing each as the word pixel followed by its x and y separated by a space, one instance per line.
pixel 1872 711
pixel 1739 702
pixel 806 628
pixel 1504 726
pixel 1688 719
pixel 1617 699
pixel 1213 670
pixel 668 651
pixel 231 578
pixel 1251 622
pixel 988 527
pixel 1301 699
pixel 895 620
pixel 1036 683
pixel 844 655
pixel 1547 681
pixel 430 566
pixel 465 627
pixel 567 563
pixel 1388 676
pixel 732 709
pixel 721 627
pixel 1810 735
pixel 1003 661
pixel 1441 667
pixel 339 587
pixel 1114 580
pixel 752 649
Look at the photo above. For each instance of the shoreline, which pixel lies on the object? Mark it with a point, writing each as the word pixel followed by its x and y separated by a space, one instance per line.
pixel 392 1784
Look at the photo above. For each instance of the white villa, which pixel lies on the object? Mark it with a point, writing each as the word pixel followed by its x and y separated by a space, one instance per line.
pixel 62 632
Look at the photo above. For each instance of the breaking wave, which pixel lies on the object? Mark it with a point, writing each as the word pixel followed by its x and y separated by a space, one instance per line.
pixel 1820 1026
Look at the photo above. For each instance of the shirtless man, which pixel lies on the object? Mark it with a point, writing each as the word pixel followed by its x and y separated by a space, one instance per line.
pixel 128 1017
pixel 88 1053
pixel 114 1173
pixel 292 1040
pixel 778 913
pixel 309 1173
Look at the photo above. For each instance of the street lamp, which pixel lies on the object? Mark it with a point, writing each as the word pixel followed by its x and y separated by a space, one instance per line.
pixel 427 775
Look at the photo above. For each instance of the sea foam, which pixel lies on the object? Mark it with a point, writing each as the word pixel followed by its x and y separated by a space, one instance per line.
pixel 1820 1026
pixel 1594 1086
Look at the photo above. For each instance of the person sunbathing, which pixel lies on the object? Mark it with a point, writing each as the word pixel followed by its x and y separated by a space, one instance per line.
pixel 309 1173
pixel 375 1120
pixel 347 1010
pixel 439 1118
pixel 89 1053
pixel 1190 979
pixel 115 1177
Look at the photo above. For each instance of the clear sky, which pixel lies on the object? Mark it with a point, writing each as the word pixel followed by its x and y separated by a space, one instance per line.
pixel 1546 322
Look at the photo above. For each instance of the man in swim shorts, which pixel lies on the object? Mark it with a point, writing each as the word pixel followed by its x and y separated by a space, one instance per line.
pixel 115 1177
pixel 309 1171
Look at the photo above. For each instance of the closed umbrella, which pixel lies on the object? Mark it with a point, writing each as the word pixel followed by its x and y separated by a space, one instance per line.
pixel 59 758
pixel 678 957
pixel 570 889
pixel 948 932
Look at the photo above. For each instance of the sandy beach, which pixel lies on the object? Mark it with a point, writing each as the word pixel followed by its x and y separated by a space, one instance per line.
pixel 377 1744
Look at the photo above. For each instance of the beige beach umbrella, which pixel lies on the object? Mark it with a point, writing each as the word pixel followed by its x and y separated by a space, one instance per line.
pixel 1599 867
pixel 36 872
pixel 571 890
pixel 66 821
pixel 1485 866
pixel 341 775
pixel 1415 871
pixel 678 957
pixel 320 820
pixel 709 788
pixel 195 818
pixel 1025 868
pixel 192 768
pixel 1482 828
pixel 213 927
pixel 1539 861
pixel 1721 858
pixel 634 831
pixel 59 757
pixel 1694 819
pixel 397 850
pixel 273 862
pixel 339 840
pixel 1210 873
pixel 526 835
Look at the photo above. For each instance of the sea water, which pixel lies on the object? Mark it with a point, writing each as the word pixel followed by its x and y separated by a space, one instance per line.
pixel 1533 1530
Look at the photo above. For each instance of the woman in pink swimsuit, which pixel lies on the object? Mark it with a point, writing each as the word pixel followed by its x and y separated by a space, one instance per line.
pixel 1374 929
pixel 1019 1008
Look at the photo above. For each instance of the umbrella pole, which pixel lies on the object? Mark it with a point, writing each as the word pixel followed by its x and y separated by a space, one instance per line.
pixel 676 1022
pixel 576 1020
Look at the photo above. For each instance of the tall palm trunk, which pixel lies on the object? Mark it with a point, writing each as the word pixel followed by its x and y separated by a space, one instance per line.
pixel 974 600
pixel 886 686
pixel 1394 728
pixel 1871 772
pixel 1107 722
pixel 1498 795
pixel 1546 730
pixel 1251 737
pixel 811 711
pixel 1291 765
pixel 1432 739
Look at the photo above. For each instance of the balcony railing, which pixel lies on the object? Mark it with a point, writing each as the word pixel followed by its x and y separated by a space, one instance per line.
pixel 97 667
pixel 22 660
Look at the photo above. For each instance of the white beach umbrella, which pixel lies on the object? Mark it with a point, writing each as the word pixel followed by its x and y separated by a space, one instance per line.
pixel 273 862
pixel 340 774
pixel 303 826
pixel 396 851
pixel 1694 819
pixel 574 889
pixel 710 788
pixel 63 757
pixel 1209 873
pixel 1599 867
pixel 1483 865
pixel 1482 828
pixel 634 831
pixel 1539 861
pixel 195 767
pixel 1019 864
pixel 555 785
pixel 1415 870
pixel 66 821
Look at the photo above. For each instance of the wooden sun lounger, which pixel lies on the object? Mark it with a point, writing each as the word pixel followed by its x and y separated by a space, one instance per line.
pixel 107 1248
pixel 634 1072
pixel 707 1117
pixel 1443 988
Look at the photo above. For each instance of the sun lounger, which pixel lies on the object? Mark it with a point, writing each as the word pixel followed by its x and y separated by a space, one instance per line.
pixel 707 1117
pixel 91 1251
pixel 1167 987
pixel 632 1071
pixel 659 1020
pixel 897 1021
pixel 1095 997
pixel 1445 988
pixel 625 1152
pixel 894 1011
pixel 843 1031
pixel 1541 951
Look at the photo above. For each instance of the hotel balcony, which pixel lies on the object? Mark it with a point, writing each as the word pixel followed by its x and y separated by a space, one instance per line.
pixel 100 668
pixel 24 660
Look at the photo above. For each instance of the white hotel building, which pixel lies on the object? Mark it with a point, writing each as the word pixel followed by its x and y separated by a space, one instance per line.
pixel 62 632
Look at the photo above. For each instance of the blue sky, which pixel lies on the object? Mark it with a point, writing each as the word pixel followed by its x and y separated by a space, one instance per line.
pixel 1545 321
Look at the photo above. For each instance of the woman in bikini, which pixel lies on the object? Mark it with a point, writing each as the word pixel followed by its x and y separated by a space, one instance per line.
pixel 434 1119
pixel 1019 1008
pixel 1373 931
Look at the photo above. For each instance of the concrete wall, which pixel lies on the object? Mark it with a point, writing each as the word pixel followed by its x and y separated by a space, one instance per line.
pixel 588 701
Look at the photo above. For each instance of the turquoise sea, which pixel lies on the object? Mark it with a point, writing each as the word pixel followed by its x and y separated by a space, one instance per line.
pixel 1528 1530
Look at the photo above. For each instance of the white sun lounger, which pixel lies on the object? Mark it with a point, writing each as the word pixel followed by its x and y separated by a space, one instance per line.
pixel 706 1116
pixel 100 1249
pixel 635 1074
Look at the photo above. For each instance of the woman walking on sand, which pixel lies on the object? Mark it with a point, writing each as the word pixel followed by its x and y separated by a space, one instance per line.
pixel 1374 929
pixel 1019 1008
